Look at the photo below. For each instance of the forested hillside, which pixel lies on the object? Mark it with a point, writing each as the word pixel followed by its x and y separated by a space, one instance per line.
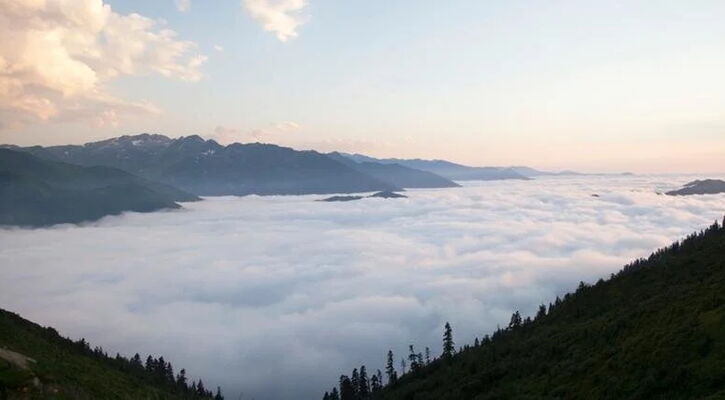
pixel 38 192
pixel 655 330
pixel 37 363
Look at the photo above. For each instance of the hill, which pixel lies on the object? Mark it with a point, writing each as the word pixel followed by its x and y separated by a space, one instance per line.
pixel 446 169
pixel 705 186
pixel 396 174
pixel 36 192
pixel 206 168
pixel 38 363
pixel 655 330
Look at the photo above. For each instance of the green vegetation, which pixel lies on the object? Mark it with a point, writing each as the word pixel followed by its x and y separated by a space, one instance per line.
pixel 655 330
pixel 37 363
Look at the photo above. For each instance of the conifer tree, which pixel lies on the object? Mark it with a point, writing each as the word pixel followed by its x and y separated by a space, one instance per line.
pixel 363 384
pixel 390 369
pixel 347 392
pixel 448 344
pixel 427 355
pixel 355 381
pixel 515 320
pixel 413 359
pixel 334 395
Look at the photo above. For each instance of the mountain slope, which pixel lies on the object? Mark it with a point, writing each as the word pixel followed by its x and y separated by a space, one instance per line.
pixel 37 363
pixel 704 186
pixel 447 169
pixel 396 174
pixel 205 167
pixel 655 330
pixel 36 192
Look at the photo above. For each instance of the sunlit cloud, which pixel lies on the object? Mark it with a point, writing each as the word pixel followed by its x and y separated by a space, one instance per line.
pixel 281 17
pixel 241 291
pixel 57 58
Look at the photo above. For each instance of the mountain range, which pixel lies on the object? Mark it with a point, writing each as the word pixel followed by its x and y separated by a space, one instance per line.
pixel 147 172
pixel 207 168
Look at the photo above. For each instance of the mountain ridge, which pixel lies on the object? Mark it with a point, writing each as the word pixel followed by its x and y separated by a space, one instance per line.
pixel 40 192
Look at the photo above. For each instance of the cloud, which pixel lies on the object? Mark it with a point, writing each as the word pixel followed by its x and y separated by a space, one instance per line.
pixel 57 58
pixel 183 5
pixel 270 133
pixel 218 48
pixel 281 17
pixel 241 291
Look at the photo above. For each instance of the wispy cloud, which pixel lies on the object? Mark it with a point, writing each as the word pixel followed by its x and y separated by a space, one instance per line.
pixel 183 5
pixel 269 133
pixel 281 17
pixel 56 59
pixel 287 286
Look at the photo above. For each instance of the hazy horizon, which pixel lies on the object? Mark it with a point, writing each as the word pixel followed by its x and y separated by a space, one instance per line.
pixel 704 174
pixel 583 85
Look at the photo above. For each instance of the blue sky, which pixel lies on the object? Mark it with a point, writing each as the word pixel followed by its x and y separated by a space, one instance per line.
pixel 616 85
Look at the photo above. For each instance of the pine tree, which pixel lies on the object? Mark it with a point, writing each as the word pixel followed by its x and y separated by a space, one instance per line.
pixel 374 384
pixel 413 359
pixel 515 320
pixel 181 381
pixel 380 379
pixel 363 384
pixel 334 395
pixel 542 312
pixel 390 369
pixel 326 396
pixel 219 396
pixel 448 344
pixel 347 392
pixel 402 365
pixel 355 381
pixel 427 355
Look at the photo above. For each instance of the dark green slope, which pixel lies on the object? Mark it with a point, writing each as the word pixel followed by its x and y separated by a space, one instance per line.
pixel 37 192
pixel 656 330
pixel 59 368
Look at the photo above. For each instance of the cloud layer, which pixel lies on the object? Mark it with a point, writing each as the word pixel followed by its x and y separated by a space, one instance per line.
pixel 281 17
pixel 276 296
pixel 57 58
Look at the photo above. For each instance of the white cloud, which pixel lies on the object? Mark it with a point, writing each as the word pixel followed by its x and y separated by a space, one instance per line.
pixel 218 48
pixel 281 17
pixel 183 5
pixel 241 291
pixel 271 133
pixel 57 58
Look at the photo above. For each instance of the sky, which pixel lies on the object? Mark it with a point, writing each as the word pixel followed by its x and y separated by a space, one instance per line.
pixel 573 84
pixel 276 296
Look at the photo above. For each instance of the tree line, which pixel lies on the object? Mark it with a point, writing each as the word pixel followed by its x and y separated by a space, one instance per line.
pixel 419 365
pixel 154 371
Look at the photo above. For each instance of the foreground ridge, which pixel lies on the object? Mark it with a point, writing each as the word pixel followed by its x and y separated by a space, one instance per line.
pixel 655 329
pixel 37 363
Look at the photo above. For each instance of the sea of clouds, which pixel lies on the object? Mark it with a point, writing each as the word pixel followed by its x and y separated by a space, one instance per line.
pixel 277 296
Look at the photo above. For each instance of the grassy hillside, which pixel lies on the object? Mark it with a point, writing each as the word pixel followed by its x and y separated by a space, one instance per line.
pixel 655 330
pixel 37 363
